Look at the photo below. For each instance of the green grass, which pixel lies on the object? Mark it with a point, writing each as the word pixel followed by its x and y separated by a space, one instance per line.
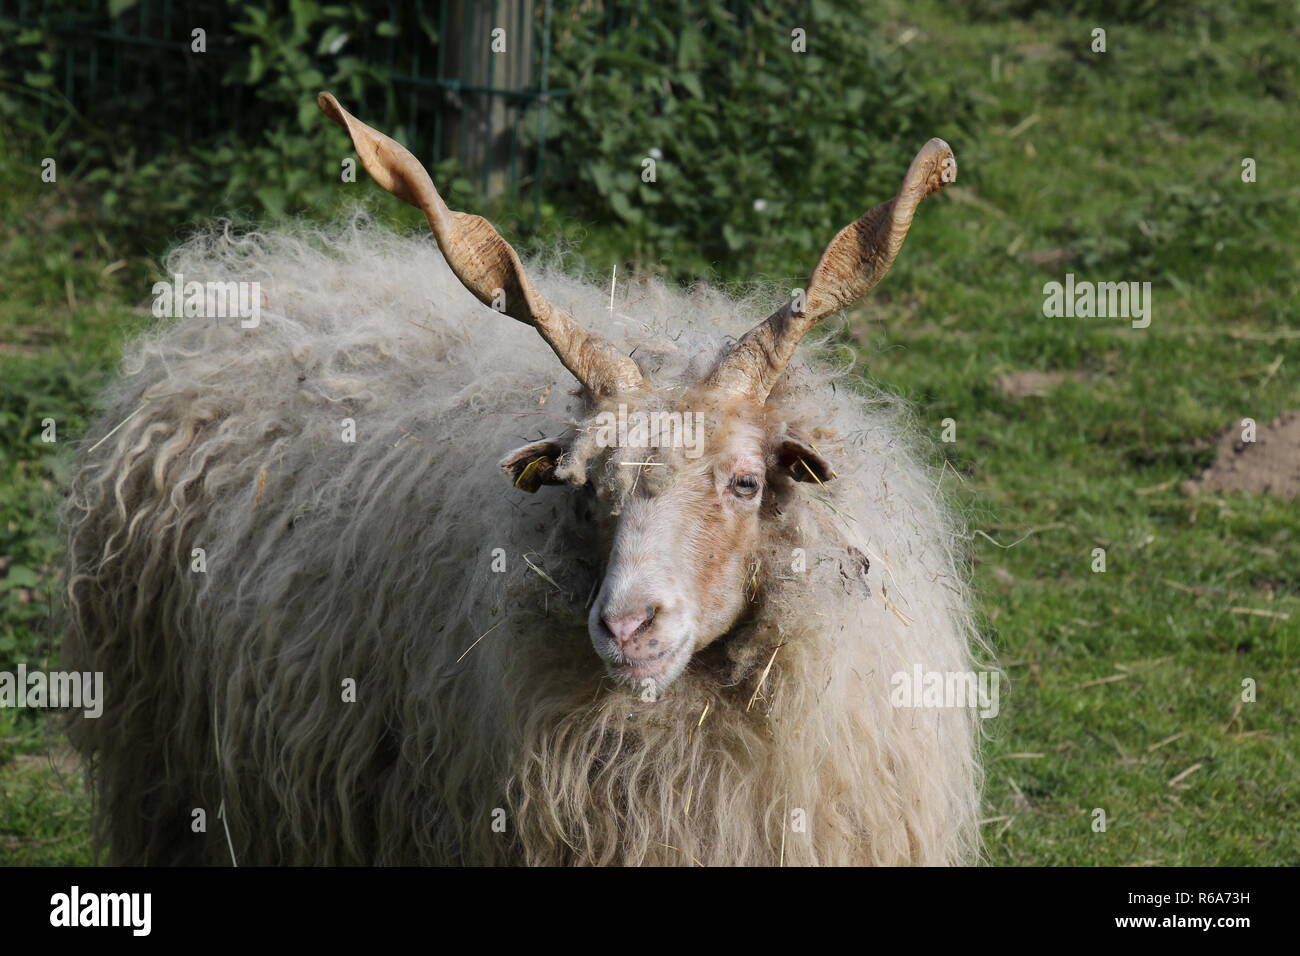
pixel 66 309
pixel 1130 161
pixel 1127 164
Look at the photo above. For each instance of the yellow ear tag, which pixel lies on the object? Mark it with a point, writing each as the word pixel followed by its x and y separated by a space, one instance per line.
pixel 533 473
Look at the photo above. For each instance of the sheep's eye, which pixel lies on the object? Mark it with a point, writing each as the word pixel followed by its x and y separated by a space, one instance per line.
pixel 744 486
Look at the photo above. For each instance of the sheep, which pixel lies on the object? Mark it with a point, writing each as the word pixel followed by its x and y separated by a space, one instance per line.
pixel 328 624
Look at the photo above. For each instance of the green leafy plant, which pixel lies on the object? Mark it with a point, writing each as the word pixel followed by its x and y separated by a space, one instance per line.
pixel 769 127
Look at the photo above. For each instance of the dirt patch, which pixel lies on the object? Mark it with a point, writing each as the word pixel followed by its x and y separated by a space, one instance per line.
pixel 1269 465
pixel 1050 257
pixel 1034 384
pixel 61 761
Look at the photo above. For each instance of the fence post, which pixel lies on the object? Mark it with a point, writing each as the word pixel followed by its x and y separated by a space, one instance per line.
pixel 476 125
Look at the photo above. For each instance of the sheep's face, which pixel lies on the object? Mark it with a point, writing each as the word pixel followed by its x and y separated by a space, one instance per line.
pixel 679 492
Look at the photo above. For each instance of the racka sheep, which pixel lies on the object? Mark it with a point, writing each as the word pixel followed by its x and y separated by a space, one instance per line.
pixel 327 620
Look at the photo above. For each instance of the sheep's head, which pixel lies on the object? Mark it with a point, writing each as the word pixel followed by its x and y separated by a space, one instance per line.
pixel 680 476
pixel 679 488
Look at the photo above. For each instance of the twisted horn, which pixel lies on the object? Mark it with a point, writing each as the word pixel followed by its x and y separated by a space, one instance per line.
pixel 856 259
pixel 484 262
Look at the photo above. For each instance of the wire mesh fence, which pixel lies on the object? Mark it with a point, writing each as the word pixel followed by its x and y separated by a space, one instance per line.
pixel 455 78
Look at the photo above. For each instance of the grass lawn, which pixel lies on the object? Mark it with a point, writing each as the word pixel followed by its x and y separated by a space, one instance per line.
pixel 1124 688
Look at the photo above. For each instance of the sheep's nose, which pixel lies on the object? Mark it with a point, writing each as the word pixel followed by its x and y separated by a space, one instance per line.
pixel 628 628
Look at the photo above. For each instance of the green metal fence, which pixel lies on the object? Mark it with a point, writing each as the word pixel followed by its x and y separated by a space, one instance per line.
pixel 445 89
pixel 426 70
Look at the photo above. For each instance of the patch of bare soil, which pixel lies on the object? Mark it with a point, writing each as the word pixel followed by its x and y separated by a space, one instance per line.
pixel 1050 257
pixel 1269 465
pixel 1035 384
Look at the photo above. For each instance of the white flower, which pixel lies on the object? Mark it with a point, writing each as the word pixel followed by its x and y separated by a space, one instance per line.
pixel 655 154
pixel 760 205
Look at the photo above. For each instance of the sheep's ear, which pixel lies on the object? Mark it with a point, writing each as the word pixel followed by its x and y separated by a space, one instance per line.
pixel 532 466
pixel 801 461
